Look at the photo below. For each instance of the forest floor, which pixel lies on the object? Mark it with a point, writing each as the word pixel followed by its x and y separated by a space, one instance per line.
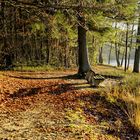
pixel 53 105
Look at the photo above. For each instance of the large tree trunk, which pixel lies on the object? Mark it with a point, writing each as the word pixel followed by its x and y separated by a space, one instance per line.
pixel 123 55
pixel 101 55
pixel 48 51
pixel 126 48
pixel 136 60
pixel 82 49
pixel 117 48
pixel 109 57
pixel 137 53
pixel 117 53
pixel 131 45
pixel 94 51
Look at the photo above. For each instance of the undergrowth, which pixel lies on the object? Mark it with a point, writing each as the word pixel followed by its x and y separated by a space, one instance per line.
pixel 127 96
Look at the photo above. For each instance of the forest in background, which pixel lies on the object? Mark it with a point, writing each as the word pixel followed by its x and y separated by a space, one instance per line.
pixel 38 33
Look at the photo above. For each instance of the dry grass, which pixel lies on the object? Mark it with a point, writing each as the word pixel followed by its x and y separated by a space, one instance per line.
pixel 129 94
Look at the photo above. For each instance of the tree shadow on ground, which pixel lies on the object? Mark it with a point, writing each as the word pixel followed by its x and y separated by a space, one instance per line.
pixel 47 77
pixel 96 105
pixel 74 76
pixel 110 113
pixel 52 89
pixel 24 92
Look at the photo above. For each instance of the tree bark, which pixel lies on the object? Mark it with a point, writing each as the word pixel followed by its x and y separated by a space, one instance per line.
pixel 101 55
pixel 84 66
pixel 136 60
pixel 109 57
pixel 48 49
pixel 123 54
pixel 117 49
pixel 94 51
pixel 131 44
pixel 137 52
pixel 117 52
pixel 126 47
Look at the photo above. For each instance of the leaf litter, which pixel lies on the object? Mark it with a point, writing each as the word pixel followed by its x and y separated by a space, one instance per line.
pixel 39 106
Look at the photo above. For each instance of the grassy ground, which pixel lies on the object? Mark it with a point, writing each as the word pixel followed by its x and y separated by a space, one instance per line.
pixel 53 105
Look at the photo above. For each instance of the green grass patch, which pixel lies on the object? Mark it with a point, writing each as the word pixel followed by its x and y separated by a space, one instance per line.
pixel 35 68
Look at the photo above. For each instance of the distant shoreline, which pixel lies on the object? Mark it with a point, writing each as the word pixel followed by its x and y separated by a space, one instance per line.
pixel 114 63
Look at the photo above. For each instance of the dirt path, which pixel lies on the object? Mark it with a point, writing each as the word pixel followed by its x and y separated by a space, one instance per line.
pixel 47 106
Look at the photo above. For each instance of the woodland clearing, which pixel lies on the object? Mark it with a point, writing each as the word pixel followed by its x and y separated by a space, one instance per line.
pixel 52 105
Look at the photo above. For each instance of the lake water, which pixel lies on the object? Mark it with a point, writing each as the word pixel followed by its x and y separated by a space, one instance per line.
pixel 114 63
pixel 113 58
